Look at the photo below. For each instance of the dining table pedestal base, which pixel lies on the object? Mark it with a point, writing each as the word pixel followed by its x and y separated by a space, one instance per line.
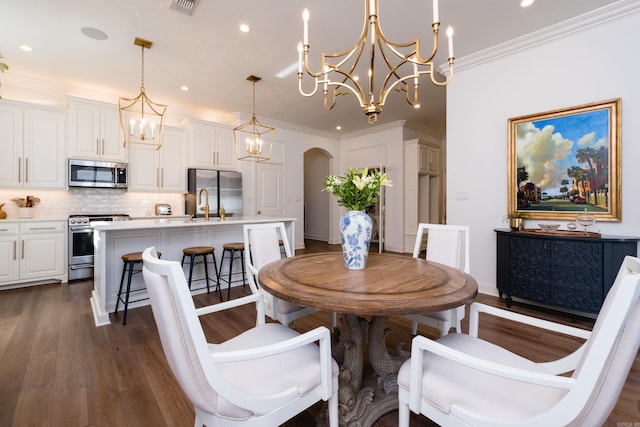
pixel 368 385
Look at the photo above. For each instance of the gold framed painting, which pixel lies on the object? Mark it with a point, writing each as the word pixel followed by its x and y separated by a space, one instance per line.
pixel 564 161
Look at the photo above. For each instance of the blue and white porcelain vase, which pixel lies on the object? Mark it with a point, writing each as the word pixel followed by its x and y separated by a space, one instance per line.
pixel 355 235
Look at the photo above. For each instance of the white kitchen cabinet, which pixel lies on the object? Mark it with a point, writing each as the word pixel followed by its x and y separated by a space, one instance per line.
pixel 95 131
pixel 163 169
pixel 423 188
pixel 211 146
pixel 9 254
pixel 33 145
pixel 32 251
pixel 429 159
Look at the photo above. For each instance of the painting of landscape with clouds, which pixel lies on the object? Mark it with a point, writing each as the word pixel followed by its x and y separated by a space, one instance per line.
pixel 566 161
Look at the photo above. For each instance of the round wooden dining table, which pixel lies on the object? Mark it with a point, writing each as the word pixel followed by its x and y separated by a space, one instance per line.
pixel 389 285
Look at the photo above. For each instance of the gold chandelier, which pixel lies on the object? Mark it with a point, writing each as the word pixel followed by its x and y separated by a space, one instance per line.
pixel 344 65
pixel 253 140
pixel 141 120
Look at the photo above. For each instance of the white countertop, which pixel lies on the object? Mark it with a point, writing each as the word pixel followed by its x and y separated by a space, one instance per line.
pixel 181 222
pixel 38 219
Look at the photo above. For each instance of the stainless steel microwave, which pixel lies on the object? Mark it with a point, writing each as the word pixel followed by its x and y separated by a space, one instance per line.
pixel 91 173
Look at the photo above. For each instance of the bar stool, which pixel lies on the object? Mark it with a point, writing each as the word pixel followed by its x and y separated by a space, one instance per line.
pixel 202 251
pixel 234 250
pixel 129 261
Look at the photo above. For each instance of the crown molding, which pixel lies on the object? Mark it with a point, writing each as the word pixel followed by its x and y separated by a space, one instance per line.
pixel 574 25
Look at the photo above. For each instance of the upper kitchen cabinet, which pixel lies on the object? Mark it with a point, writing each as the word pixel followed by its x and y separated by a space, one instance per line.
pixel 429 159
pixel 211 146
pixel 163 169
pixel 33 146
pixel 95 131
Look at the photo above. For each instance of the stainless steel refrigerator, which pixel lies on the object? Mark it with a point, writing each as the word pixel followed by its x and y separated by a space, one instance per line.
pixel 224 188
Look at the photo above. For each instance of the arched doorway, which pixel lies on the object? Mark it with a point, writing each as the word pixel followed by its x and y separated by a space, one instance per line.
pixel 317 165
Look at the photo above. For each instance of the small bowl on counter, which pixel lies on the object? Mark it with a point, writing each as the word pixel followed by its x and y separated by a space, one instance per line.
pixel 549 228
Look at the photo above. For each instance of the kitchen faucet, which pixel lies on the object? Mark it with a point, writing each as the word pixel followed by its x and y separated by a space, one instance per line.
pixel 206 206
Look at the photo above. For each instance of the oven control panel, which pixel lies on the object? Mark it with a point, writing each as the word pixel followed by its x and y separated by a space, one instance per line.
pixel 81 220
pixel 86 220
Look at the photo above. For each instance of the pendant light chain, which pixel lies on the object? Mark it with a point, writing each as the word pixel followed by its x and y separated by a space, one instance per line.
pixel 142 72
pixel 254 99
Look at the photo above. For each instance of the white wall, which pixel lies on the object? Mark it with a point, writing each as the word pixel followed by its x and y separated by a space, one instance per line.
pixel 597 60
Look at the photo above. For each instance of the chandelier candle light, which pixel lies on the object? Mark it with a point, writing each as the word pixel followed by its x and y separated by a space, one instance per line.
pixel 344 65
pixel 253 140
pixel 141 120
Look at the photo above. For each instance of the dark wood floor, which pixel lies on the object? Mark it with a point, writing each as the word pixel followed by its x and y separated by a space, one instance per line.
pixel 58 369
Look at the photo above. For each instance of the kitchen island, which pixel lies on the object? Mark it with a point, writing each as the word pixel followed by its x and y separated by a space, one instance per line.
pixel 169 236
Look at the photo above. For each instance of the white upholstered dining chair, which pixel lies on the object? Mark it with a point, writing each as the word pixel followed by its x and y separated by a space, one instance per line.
pixel 462 380
pixel 448 245
pixel 262 241
pixel 261 377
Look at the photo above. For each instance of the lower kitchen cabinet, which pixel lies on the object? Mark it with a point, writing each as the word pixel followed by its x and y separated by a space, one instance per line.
pixel 569 273
pixel 32 252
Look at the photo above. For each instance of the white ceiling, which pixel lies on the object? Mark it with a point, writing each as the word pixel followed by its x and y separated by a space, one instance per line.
pixel 208 53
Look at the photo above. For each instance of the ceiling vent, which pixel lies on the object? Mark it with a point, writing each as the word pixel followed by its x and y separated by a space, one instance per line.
pixel 186 7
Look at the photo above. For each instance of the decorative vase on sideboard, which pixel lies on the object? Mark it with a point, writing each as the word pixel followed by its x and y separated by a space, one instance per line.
pixel 355 235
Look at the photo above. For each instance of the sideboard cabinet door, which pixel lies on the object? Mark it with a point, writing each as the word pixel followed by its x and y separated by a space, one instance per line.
pixel 569 273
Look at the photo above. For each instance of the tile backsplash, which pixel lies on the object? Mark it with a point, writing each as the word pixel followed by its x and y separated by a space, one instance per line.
pixel 60 204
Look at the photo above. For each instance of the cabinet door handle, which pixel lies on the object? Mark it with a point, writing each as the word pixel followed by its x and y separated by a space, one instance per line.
pixel 103 147
pixel 22 250
pixel 162 176
pixel 26 170
pixel 42 228
pixel 98 146
pixel 19 170
pixel 14 249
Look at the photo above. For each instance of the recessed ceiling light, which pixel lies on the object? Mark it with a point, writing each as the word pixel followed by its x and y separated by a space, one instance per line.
pixel 184 88
pixel 416 106
pixel 94 33
pixel 245 28
pixel 338 127
pixel 26 48
pixel 526 3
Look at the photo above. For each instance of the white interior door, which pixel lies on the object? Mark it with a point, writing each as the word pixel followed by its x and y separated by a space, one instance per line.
pixel 270 189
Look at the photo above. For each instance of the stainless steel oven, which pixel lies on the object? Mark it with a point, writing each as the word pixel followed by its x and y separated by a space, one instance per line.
pixel 81 243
